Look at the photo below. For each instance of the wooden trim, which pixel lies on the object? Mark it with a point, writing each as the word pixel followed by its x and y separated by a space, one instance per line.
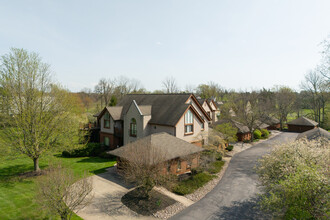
pixel 195 112
pixel 205 100
pixel 216 107
pixel 199 105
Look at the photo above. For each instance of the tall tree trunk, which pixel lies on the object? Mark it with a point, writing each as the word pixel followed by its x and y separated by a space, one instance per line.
pixel 36 164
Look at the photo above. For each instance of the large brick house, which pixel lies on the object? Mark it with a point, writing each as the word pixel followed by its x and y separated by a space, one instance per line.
pixel 139 115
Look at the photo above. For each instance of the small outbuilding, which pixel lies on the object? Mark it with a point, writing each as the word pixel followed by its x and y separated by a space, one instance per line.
pixel 179 156
pixel 315 133
pixel 273 123
pixel 243 132
pixel 302 124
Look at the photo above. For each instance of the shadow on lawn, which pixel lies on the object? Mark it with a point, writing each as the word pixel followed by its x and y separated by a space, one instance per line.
pixel 94 160
pixel 11 174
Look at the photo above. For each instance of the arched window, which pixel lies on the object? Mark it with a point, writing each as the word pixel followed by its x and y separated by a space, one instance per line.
pixel 132 128
pixel 189 122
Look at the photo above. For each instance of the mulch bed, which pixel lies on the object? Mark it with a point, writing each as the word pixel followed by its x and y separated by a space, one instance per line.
pixel 146 207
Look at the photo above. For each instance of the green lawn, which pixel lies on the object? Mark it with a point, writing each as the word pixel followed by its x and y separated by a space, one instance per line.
pixel 17 195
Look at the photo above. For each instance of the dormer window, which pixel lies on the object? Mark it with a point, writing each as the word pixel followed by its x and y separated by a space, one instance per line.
pixel 189 122
pixel 132 128
pixel 106 120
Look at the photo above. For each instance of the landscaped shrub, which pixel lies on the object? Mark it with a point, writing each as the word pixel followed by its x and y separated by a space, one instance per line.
pixel 212 154
pixel 264 133
pixel 193 183
pixel 230 148
pixel 215 167
pixel 257 134
pixel 91 150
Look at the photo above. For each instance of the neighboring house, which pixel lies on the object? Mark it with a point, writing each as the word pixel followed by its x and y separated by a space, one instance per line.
pixel 215 110
pixel 301 124
pixel 315 133
pixel 211 108
pixel 243 132
pixel 261 125
pixel 139 115
pixel 274 123
pixel 179 155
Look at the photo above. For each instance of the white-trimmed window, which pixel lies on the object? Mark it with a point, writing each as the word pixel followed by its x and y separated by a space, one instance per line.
pixel 189 122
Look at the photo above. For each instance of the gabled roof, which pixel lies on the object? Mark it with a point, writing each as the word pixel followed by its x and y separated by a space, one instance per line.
pixel 241 128
pixel 314 134
pixel 169 146
pixel 166 109
pixel 303 121
pixel 215 104
pixel 261 125
pixel 114 111
pixel 201 102
pixel 271 120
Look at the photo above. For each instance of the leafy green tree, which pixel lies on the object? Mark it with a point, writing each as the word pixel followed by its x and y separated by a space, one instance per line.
pixel 228 132
pixel 113 101
pixel 295 177
pixel 39 115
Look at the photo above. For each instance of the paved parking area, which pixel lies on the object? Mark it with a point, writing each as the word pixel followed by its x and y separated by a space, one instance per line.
pixel 108 188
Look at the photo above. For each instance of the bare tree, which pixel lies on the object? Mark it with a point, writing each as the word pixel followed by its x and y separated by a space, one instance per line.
pixel 39 114
pixel 249 110
pixel 125 86
pixel 105 89
pixel 61 192
pixel 170 85
pixel 324 67
pixel 285 100
pixel 317 89
pixel 146 167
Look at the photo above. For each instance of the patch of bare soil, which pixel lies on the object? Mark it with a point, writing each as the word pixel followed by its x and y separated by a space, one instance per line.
pixel 144 206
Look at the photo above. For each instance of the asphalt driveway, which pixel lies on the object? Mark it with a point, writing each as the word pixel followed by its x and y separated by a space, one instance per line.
pixel 235 196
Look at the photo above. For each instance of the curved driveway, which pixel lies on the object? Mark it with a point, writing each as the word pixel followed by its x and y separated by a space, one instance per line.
pixel 235 195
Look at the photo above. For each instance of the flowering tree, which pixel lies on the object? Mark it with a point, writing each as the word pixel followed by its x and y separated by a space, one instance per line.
pixel 295 177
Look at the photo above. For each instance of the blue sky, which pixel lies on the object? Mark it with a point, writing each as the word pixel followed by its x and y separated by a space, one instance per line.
pixel 239 44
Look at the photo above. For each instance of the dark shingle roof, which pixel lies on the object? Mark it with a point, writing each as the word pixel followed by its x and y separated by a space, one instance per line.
pixel 166 109
pixel 303 121
pixel 201 101
pixel 241 128
pixel 169 146
pixel 314 134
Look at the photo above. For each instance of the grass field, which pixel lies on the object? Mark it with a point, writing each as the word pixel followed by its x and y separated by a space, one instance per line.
pixel 17 194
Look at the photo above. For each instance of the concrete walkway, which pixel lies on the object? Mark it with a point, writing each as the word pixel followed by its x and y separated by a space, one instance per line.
pixel 108 188
pixel 186 202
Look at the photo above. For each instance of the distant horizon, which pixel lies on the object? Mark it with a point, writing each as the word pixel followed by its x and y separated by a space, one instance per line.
pixel 240 45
